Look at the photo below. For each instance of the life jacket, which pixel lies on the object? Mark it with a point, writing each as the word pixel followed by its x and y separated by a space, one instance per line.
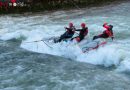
pixel 70 30
pixel 109 33
pixel 108 30
pixel 83 32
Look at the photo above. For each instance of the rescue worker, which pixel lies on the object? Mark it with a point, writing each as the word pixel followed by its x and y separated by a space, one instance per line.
pixel 82 32
pixel 107 33
pixel 69 32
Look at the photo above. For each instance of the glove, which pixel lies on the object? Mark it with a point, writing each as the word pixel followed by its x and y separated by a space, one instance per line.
pixel 112 38
pixel 71 39
pixel 65 27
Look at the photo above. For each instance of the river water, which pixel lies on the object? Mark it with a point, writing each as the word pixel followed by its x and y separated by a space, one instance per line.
pixel 28 65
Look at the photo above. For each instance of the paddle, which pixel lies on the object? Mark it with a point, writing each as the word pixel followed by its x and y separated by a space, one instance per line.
pixel 43 42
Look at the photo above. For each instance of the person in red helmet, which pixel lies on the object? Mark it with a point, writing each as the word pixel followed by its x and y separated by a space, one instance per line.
pixel 83 32
pixel 107 33
pixel 69 32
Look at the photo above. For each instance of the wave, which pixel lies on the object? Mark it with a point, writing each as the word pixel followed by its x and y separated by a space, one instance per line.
pixel 112 54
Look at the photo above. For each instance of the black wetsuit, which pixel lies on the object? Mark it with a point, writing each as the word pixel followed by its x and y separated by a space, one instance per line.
pixel 82 34
pixel 68 34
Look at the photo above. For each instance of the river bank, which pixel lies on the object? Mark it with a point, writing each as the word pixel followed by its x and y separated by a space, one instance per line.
pixel 42 6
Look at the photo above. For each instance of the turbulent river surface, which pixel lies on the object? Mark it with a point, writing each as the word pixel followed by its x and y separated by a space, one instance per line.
pixel 29 65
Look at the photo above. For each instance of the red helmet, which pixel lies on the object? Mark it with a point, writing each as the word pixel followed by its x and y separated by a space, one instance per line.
pixel 83 25
pixel 105 23
pixel 71 25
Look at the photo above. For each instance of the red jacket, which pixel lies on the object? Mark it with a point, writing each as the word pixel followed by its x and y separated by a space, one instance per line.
pixel 108 30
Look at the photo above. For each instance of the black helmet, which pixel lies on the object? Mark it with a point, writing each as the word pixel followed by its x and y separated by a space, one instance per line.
pixel 111 26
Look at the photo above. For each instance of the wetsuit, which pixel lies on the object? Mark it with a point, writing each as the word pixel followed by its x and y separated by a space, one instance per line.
pixel 107 33
pixel 68 34
pixel 82 34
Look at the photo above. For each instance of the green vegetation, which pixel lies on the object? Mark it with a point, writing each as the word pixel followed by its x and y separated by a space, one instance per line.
pixel 42 5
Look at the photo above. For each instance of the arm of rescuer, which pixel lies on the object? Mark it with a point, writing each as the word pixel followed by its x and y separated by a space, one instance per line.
pixel 105 25
pixel 83 32
pixel 78 29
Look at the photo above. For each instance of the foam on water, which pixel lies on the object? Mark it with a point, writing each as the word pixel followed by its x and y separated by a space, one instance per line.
pixel 111 54
pixel 107 56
